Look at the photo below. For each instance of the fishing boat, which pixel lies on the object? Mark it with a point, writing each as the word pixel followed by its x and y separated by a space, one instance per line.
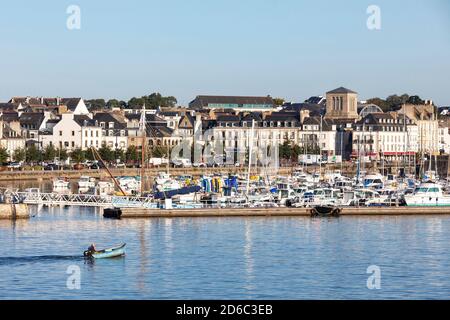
pixel 130 185
pixel 373 181
pixel 106 253
pixel 60 183
pixel 428 194
pixel 105 188
pixel 85 183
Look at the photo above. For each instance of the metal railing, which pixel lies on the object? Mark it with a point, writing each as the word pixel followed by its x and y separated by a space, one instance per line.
pixel 84 200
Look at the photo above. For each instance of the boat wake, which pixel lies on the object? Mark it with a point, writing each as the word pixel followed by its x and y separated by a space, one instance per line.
pixel 37 259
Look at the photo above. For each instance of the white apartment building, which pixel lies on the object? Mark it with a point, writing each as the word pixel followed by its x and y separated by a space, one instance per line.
pixel 74 131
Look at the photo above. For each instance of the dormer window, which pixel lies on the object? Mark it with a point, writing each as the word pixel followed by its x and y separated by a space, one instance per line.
pixel 102 124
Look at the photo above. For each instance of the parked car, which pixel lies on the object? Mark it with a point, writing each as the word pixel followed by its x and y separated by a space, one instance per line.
pixel 78 166
pixel 94 166
pixel 184 163
pixel 51 167
pixel 120 165
pixel 14 165
pixel 199 165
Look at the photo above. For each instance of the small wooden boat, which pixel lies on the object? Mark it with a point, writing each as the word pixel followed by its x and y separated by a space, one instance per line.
pixel 106 253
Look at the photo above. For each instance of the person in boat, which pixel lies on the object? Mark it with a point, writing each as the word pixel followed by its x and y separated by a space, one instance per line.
pixel 92 248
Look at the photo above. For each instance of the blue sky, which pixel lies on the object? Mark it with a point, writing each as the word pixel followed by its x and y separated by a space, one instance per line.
pixel 286 48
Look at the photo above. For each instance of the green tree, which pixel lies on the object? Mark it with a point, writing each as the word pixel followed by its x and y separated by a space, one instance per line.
pixel 3 155
pixel 159 151
pixel 113 103
pixel 119 154
pixel 379 102
pixel 132 154
pixel 49 153
pixel 106 153
pixel 136 103
pixel 285 150
pixel 77 155
pixel 62 154
pixel 96 104
pixel 19 154
pixel 278 101
pixel 295 152
pixel 152 101
pixel 89 155
pixel 33 154
pixel 415 100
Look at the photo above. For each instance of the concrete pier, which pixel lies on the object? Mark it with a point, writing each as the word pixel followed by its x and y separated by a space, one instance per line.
pixel 13 211
pixel 280 212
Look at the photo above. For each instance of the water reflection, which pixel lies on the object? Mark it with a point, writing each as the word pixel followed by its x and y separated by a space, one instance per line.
pixel 220 258
pixel 249 262
pixel 146 262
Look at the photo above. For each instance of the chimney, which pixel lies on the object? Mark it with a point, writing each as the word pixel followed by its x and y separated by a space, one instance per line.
pixel 303 115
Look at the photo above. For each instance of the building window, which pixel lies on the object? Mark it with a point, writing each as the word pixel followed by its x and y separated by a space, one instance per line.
pixel 60 133
pixel 73 133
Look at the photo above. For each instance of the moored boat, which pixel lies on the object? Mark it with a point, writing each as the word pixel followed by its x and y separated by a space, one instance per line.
pixel 428 194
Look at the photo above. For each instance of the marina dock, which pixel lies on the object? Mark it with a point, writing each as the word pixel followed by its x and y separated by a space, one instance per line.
pixel 279 212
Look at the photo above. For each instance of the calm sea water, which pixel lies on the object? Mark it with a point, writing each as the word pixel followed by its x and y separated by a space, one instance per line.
pixel 225 258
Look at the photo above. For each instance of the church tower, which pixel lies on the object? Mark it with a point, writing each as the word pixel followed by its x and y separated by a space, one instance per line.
pixel 342 103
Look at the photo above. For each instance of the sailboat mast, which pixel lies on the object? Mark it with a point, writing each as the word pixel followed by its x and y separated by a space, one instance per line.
pixel 142 128
pixel 250 151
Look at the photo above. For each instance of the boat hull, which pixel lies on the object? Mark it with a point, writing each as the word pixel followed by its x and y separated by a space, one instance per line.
pixel 107 253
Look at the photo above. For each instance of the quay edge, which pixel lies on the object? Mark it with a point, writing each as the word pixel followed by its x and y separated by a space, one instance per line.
pixel 12 211
pixel 279 212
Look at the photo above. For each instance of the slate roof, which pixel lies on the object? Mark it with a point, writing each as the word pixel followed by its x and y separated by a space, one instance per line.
pixel 8 106
pixel 314 109
pixel 71 103
pixel 34 118
pixel 9 116
pixel 109 117
pixel 341 90
pixel 84 120
pixel 283 116
pixel 158 132
pixel 228 118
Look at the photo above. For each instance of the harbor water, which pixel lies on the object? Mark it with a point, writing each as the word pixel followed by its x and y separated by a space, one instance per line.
pixel 225 258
